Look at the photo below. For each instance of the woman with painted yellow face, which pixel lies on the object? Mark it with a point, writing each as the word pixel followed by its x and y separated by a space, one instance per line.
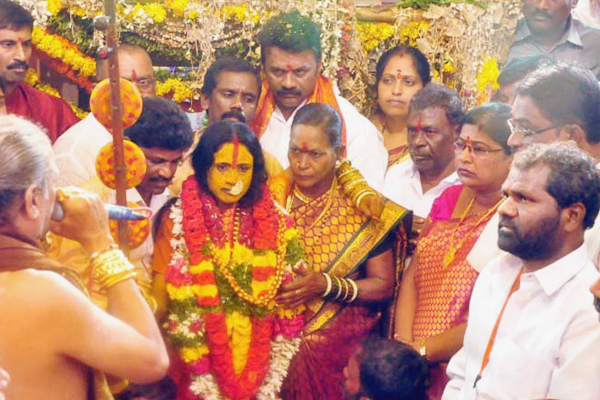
pixel 350 271
pixel 224 249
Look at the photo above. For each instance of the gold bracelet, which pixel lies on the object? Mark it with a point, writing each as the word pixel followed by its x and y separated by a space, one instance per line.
pixel 361 196
pixel 354 290
pixel 110 268
pixel 95 254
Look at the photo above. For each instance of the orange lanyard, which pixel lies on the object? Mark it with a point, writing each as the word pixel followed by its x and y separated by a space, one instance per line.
pixel 488 350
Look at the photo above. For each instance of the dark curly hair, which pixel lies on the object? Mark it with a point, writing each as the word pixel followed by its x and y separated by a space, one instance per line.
pixel 291 32
pixel 13 16
pixel 162 124
pixel 217 135
pixel 573 176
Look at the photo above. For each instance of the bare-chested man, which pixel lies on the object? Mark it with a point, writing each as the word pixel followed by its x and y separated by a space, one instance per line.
pixel 51 335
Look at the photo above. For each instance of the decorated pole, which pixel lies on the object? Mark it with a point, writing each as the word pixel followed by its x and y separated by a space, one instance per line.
pixel 109 24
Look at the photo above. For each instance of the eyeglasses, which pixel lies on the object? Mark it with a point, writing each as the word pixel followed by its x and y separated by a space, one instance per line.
pixel 460 146
pixel 145 84
pixel 515 127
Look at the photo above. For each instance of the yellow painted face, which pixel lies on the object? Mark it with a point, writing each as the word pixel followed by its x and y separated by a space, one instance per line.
pixel 230 175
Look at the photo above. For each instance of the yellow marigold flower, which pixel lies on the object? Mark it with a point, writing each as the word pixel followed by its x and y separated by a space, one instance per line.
pixel 488 76
pixel 290 234
pixel 178 89
pixel 156 11
pixel 182 293
pixel 78 11
pixel 237 13
pixel 31 77
pixel 449 67
pixel 259 287
pixel 54 6
pixel 239 329
pixel 202 267
pixel 178 7
pixel 190 354
pixel 242 254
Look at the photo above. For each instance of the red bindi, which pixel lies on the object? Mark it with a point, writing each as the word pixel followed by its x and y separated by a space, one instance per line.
pixel 236 149
pixel 304 148
pixel 399 74
pixel 289 68
pixel 133 75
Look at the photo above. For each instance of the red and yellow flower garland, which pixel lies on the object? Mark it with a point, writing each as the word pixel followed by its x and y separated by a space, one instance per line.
pixel 233 345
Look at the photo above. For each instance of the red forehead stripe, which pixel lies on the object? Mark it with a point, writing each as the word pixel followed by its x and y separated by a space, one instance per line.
pixel 236 149
pixel 419 126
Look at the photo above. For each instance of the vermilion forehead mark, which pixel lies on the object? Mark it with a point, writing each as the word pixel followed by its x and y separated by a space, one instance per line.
pixel 236 149
pixel 133 75
pixel 289 68
pixel 419 126
pixel 399 74
pixel 304 147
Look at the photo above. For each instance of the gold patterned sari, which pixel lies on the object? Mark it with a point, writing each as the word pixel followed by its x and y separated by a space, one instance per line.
pixel 338 240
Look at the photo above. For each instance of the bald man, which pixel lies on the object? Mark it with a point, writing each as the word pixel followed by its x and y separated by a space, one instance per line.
pixel 76 150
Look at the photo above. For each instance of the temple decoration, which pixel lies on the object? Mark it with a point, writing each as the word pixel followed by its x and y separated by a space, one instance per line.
pixel 460 38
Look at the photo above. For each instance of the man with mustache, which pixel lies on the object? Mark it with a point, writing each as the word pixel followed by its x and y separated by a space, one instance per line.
pixel 434 122
pixel 76 150
pixel 291 60
pixel 548 28
pixel 54 114
pixel 532 331
pixel 163 133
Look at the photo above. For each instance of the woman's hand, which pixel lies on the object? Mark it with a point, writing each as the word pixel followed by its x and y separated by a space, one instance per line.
pixel 307 285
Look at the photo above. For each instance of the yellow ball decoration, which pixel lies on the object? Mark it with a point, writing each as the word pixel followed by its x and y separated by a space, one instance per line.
pixel 135 163
pixel 131 101
pixel 138 229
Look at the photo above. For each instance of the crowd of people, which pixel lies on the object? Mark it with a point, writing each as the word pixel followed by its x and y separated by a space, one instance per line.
pixel 300 250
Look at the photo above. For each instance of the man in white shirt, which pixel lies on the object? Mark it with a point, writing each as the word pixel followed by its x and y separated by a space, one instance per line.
pixel 433 125
pixel 291 60
pixel 558 103
pixel 532 331
pixel 75 151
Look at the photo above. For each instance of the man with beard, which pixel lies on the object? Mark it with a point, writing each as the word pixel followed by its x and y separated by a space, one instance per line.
pixel 163 133
pixel 291 60
pixel 434 122
pixel 16 25
pixel 548 28
pixel 532 331
pixel 383 369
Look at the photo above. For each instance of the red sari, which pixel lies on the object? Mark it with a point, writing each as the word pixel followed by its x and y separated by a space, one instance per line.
pixel 443 293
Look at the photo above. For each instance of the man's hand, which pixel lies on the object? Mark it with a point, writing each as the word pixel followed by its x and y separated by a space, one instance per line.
pixel 85 219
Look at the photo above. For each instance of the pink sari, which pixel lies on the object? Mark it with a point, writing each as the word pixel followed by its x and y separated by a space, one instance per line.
pixel 443 293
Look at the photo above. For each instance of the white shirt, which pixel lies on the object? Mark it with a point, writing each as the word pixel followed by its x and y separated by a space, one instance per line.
pixel 403 186
pixel 548 340
pixel 592 241
pixel 75 151
pixel 364 143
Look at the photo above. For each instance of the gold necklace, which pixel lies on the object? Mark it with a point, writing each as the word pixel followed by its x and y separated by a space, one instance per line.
pixel 452 251
pixel 330 192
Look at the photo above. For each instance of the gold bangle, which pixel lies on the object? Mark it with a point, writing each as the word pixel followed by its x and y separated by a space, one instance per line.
pixel 110 268
pixel 339 285
pixel 354 290
pixel 329 285
pixel 95 254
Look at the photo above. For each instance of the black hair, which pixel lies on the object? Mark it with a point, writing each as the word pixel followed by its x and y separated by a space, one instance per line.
pixel 492 119
pixel 565 94
pixel 228 64
pixel 3 85
pixel 215 136
pixel 419 60
pixel 391 370
pixel 13 16
pixel 324 116
pixel 573 176
pixel 292 32
pixel 517 69
pixel 162 124
pixel 435 95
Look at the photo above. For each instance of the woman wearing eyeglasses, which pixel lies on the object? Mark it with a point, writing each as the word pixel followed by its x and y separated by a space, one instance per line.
pixel 432 308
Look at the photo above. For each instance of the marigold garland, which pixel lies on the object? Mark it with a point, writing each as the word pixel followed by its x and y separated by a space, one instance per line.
pixel 231 348
pixel 32 79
